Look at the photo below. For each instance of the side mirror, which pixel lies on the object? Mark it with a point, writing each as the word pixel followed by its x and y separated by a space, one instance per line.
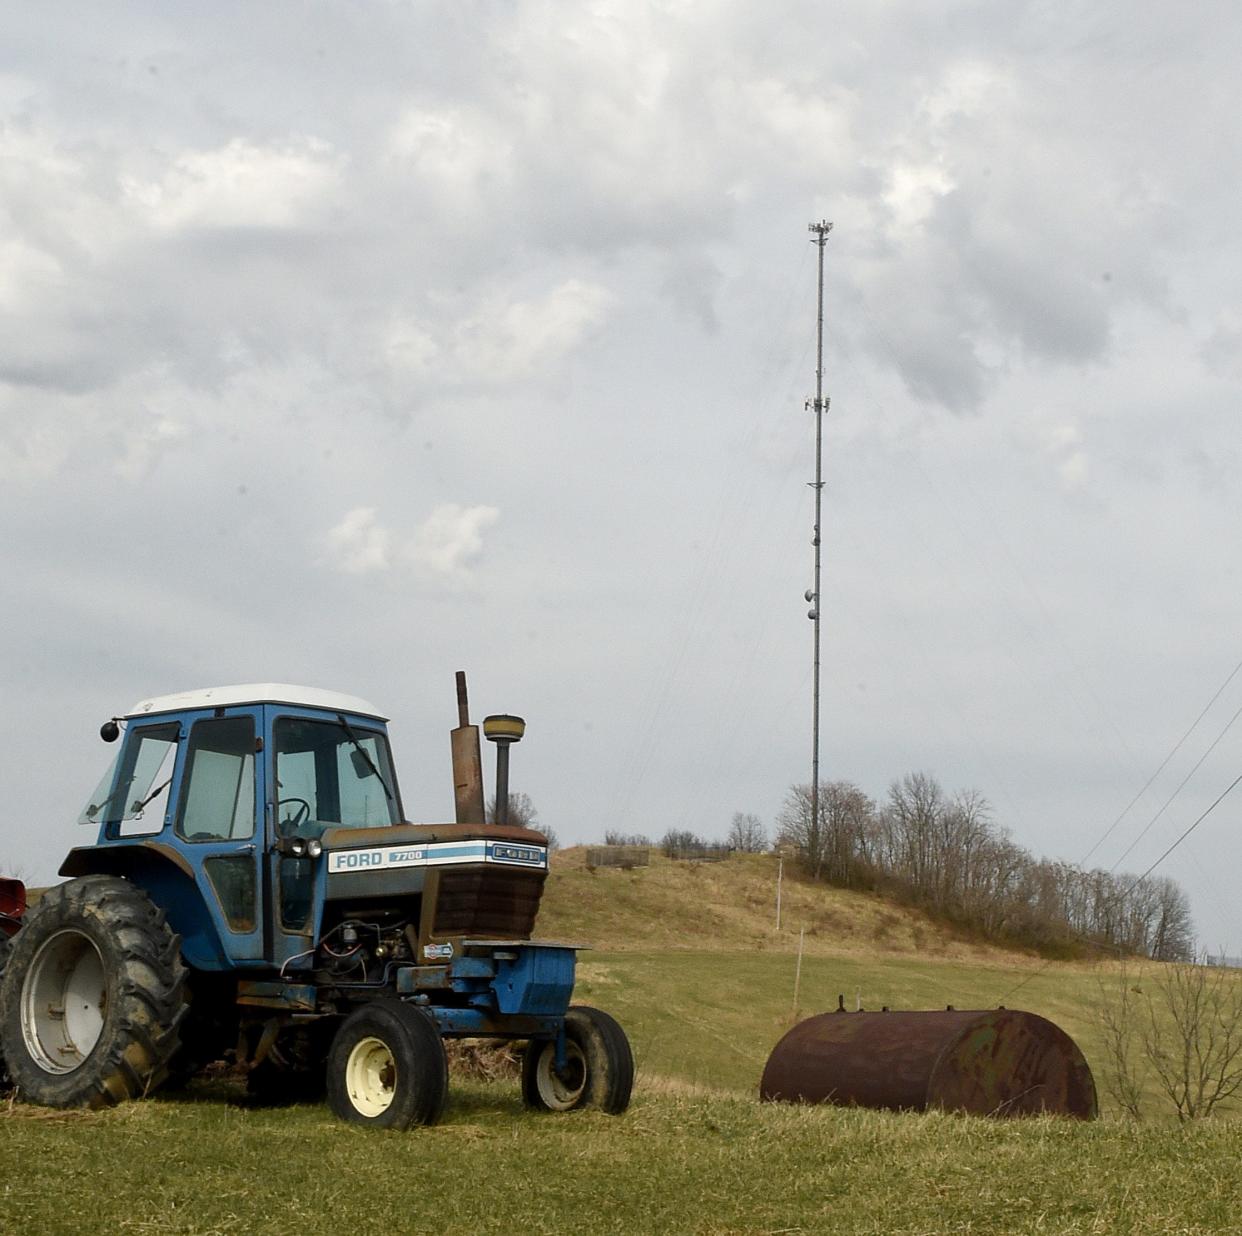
pixel 110 731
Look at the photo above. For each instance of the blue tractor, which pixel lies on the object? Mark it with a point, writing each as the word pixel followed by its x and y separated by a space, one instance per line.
pixel 255 893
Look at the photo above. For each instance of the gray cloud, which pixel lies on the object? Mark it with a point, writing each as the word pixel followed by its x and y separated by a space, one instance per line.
pixel 292 299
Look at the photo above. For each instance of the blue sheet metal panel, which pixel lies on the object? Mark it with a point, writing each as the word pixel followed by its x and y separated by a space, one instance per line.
pixel 472 968
pixel 196 919
pixel 471 1023
pixel 539 981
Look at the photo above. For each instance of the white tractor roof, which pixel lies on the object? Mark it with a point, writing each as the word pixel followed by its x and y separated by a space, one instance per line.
pixel 256 693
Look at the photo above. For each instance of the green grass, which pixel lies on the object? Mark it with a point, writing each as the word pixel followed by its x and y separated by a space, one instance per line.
pixel 712 1018
pixel 689 962
pixel 673 1163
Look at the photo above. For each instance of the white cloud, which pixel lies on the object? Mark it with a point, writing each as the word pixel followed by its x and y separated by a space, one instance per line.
pixel 967 89
pixel 147 443
pixel 450 540
pixel 441 549
pixel 502 340
pixel 913 192
pixel 458 157
pixel 23 270
pixel 240 184
pixel 534 334
pixel 1062 445
pixel 359 544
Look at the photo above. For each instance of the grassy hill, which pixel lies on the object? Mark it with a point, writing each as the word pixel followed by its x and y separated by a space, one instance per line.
pixel 731 905
pixel 688 957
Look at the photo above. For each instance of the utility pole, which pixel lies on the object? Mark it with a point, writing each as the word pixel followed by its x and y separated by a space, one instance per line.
pixel 820 406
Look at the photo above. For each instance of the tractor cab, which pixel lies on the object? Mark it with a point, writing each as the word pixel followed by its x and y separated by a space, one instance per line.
pixel 230 789
pixel 266 816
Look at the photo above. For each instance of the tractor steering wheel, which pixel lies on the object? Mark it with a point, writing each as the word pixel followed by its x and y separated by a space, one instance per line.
pixel 300 816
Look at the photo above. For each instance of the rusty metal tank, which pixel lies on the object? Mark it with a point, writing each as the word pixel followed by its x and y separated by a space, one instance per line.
pixel 992 1062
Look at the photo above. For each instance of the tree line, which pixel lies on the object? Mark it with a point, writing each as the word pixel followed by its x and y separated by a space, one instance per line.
pixel 946 854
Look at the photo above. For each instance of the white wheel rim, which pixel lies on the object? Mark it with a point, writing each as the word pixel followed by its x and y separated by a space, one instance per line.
pixel 64 1002
pixel 371 1076
pixel 557 1093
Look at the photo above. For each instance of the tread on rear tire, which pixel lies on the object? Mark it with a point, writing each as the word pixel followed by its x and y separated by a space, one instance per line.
pixel 93 996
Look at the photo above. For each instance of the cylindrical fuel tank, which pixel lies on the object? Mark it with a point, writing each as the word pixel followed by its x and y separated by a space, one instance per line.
pixel 993 1062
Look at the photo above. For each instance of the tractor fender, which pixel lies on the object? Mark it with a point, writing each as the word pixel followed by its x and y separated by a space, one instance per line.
pixel 12 905
pixel 168 879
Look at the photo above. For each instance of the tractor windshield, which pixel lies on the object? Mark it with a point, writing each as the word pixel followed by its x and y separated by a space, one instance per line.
pixel 138 778
pixel 328 774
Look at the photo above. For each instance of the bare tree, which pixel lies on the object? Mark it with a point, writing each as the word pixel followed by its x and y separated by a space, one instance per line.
pixel 947 854
pixel 1124 1066
pixel 613 837
pixel 1173 931
pixel 747 834
pixel 524 814
pixel 1195 1049
pixel 681 843
pixel 837 844
pixel 915 809
pixel 1184 1025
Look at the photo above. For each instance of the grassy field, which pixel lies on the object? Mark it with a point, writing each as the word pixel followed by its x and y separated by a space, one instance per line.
pixel 689 961
pixel 673 1164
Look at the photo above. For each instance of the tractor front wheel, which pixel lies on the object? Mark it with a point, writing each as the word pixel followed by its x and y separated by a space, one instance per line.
pixel 387 1067
pixel 598 1072
pixel 92 997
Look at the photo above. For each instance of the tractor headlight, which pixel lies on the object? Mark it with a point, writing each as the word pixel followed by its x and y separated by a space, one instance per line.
pixel 297 847
pixel 314 848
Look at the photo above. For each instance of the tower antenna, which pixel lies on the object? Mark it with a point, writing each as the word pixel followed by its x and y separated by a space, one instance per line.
pixel 820 232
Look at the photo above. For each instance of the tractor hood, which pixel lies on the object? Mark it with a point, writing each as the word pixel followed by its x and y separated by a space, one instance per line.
pixel 433 845
pixel 472 879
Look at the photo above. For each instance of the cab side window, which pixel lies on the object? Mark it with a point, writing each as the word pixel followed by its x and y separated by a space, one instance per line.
pixel 218 800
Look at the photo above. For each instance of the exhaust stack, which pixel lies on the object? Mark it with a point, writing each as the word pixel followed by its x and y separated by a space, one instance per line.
pixel 467 761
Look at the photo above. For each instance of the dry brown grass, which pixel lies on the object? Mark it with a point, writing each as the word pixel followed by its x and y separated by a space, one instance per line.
pixel 731 906
pixel 483 1060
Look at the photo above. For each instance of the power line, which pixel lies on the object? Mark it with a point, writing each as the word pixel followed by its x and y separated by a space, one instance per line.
pixel 1219 799
pixel 1179 789
pixel 1121 897
pixel 1163 764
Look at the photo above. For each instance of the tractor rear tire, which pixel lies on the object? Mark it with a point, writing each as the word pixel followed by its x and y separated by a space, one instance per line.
pixel 93 996
pixel 387 1068
pixel 599 1068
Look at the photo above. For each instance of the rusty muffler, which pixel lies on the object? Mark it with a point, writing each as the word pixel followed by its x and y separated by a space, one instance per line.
pixel 991 1062
pixel 467 761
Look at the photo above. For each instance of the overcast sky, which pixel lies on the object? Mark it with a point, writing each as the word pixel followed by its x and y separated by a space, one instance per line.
pixel 355 344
